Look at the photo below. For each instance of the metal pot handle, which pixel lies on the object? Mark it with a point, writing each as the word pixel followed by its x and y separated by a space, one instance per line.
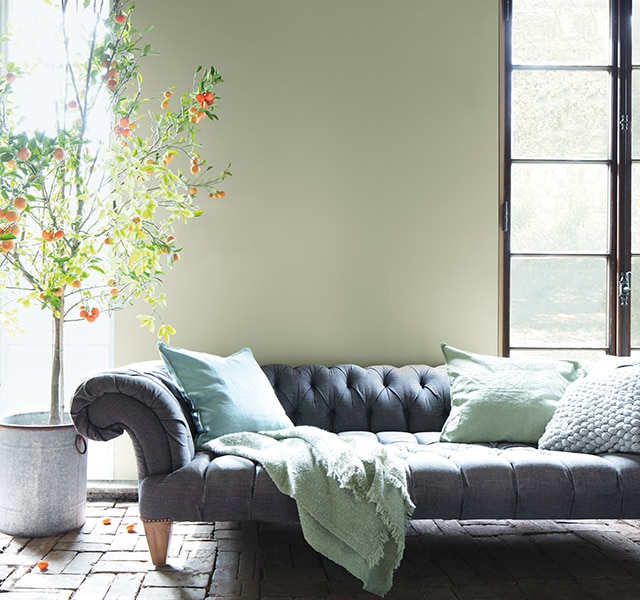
pixel 80 444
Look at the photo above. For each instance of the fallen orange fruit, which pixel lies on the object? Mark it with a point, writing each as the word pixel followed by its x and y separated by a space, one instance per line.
pixel 106 521
pixel 130 527
pixel 43 565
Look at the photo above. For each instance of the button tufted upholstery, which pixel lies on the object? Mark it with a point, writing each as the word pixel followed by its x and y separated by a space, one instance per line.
pixel 404 407
pixel 350 398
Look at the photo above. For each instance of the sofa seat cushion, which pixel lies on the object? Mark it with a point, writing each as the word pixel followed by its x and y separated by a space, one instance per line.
pixel 446 481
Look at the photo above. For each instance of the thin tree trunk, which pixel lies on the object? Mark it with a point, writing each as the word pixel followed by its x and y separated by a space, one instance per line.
pixel 56 408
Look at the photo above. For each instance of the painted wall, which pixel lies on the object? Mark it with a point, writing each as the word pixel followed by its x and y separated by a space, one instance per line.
pixel 361 224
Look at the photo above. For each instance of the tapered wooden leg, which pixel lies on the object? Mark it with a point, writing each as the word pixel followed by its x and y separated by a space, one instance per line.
pixel 158 535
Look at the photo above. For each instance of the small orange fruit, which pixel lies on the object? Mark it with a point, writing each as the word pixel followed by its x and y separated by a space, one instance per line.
pixel 58 154
pixel 130 527
pixel 11 216
pixel 75 284
pixel 24 153
pixel 120 19
pixel 43 565
pixel 20 203
pixel 106 521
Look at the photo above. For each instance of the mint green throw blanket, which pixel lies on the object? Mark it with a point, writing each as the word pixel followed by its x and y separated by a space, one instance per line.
pixel 351 494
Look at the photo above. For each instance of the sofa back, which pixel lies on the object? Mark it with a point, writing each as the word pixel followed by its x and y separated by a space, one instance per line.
pixel 347 397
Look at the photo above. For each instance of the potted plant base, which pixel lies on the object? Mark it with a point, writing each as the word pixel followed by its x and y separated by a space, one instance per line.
pixel 37 501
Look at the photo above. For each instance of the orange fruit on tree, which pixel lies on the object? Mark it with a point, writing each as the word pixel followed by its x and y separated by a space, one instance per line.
pixel 24 153
pixel 58 154
pixel 20 203
pixel 11 216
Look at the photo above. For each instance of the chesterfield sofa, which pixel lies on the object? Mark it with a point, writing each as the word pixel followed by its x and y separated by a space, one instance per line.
pixel 405 406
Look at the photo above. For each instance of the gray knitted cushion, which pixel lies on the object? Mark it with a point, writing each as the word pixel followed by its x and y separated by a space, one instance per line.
pixel 598 414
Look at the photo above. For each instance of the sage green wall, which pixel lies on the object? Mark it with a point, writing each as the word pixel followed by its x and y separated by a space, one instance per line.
pixel 361 224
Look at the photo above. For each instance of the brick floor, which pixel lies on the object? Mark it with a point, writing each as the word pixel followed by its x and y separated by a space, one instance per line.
pixel 444 560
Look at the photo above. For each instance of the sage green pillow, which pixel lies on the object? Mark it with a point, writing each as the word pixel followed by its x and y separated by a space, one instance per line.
pixel 229 394
pixel 495 399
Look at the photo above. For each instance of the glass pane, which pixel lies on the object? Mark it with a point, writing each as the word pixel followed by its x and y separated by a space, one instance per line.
pixel 560 114
pixel 635 301
pixel 559 302
pixel 566 32
pixel 635 34
pixel 558 208
pixel 635 208
pixel 584 356
pixel 635 111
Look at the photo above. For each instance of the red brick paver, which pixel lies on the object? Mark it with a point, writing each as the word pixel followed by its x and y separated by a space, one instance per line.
pixel 444 560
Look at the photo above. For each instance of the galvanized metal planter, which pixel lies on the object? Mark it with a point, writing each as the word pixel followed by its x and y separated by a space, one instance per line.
pixel 43 476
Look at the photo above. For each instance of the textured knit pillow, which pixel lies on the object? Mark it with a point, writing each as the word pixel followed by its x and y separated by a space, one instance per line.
pixel 597 415
pixel 497 399
pixel 230 394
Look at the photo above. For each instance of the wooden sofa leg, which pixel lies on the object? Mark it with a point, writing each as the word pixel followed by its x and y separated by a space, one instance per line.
pixel 158 535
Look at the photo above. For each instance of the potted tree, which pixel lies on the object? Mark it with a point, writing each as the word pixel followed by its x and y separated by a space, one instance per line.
pixel 87 228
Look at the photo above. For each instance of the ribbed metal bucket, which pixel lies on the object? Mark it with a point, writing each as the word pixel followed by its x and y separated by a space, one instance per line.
pixel 43 476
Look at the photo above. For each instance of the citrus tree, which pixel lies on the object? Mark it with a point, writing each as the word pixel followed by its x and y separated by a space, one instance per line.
pixel 87 226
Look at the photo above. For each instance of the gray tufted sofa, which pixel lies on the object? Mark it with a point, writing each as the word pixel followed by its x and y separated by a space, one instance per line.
pixel 405 406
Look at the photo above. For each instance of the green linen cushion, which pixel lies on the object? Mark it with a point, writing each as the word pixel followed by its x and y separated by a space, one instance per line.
pixel 497 399
pixel 230 394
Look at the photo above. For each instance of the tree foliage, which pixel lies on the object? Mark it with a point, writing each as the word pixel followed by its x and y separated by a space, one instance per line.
pixel 87 227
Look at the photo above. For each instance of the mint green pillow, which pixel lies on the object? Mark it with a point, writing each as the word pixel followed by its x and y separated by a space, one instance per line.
pixel 229 394
pixel 496 399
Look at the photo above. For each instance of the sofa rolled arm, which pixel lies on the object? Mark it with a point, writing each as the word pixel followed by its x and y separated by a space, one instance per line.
pixel 142 400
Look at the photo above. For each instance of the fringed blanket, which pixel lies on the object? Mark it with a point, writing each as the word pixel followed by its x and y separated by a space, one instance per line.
pixel 351 495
